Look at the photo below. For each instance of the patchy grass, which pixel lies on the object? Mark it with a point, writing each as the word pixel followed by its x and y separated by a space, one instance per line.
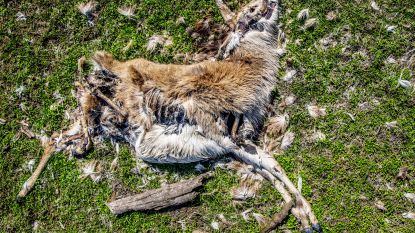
pixel 344 175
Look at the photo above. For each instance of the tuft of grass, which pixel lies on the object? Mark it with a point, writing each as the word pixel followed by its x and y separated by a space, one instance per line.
pixel 343 175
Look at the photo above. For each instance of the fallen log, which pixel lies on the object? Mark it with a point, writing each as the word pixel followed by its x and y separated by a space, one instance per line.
pixel 156 199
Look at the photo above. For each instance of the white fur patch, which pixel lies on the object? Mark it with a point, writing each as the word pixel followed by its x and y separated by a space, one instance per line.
pixel 161 146
pixel 233 43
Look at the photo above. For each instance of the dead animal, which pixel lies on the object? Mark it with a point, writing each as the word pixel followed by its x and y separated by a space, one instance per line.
pixel 188 113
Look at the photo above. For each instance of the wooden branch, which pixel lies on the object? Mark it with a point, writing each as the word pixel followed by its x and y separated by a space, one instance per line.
pixel 156 199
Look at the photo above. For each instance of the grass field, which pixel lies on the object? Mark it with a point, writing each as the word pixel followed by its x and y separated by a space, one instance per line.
pixel 345 64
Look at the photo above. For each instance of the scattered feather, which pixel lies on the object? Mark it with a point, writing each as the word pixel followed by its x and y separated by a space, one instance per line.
pixel 214 225
pixel 403 173
pixel 180 21
pixel 223 219
pixel 380 205
pixel 22 106
pixel 289 75
pixel 156 40
pixel 259 218
pixel 374 6
pixel 200 168
pixel 391 28
pixel 300 183
pixel 277 125
pixel 310 23
pixel 410 196
pixel 363 197
pixel 404 83
pixel 58 96
pixel 289 100
pixel 87 9
pixel 318 136
pixel 364 106
pixel 391 125
pixel 20 16
pixel 331 16
pixel 249 183
pixel 168 42
pixel 287 140
pixel 2 121
pixel 91 170
pixel 128 11
pixel 316 111
pixel 281 51
pixel 243 193
pixel 153 42
pixel 303 14
pixel 31 165
pixel 35 226
pixel 245 215
pixel 409 215
pixel 391 60
pixel 44 140
pixel 19 91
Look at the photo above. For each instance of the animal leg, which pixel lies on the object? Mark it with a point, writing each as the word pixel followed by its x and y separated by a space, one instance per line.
pixel 295 210
pixel 266 162
pixel 88 103
pixel 226 13
pixel 28 185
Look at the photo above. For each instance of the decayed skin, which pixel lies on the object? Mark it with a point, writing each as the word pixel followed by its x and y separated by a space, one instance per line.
pixel 220 105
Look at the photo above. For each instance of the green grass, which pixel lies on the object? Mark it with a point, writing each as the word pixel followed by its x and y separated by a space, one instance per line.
pixel 344 175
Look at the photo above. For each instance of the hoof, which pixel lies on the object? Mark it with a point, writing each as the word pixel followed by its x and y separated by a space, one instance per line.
pixel 308 230
pixel 317 227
